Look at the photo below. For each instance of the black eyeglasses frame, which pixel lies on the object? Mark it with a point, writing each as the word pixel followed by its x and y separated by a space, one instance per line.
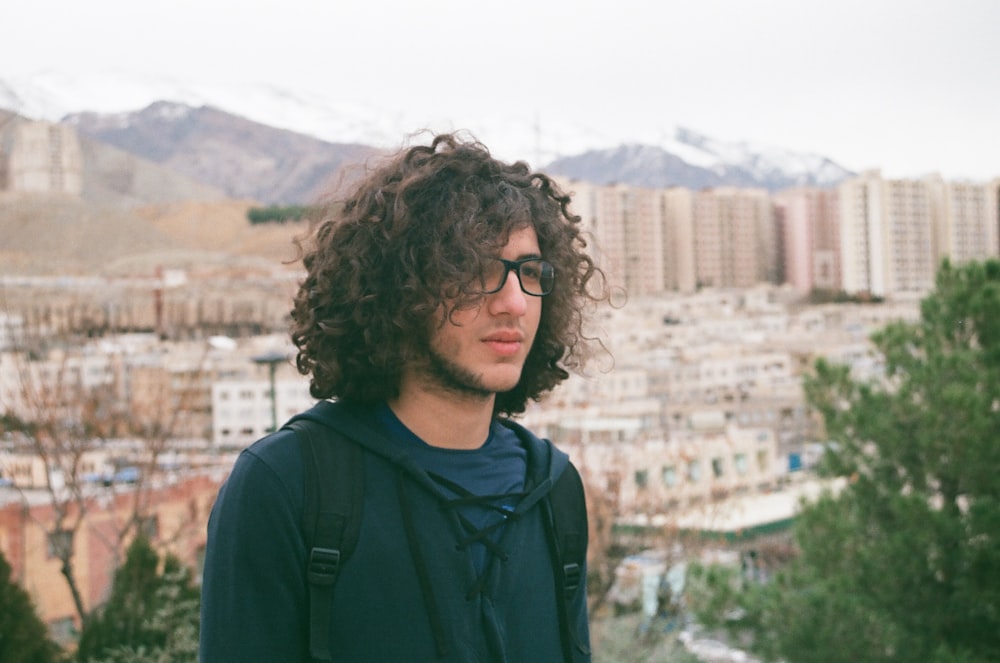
pixel 516 266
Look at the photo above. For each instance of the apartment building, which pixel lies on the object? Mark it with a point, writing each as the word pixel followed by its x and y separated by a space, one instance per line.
pixel 644 238
pixel 887 235
pixel 680 272
pixel 145 386
pixel 652 475
pixel 969 227
pixel 734 238
pixel 173 395
pixel 244 410
pixel 810 232
pixel 605 234
pixel 41 157
pixel 626 224
pixel 176 304
pixel 869 236
pixel 45 387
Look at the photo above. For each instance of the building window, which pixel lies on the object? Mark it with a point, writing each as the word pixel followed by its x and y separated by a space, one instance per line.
pixel 669 476
pixel 641 478
pixel 694 471
pixel 717 468
pixel 740 463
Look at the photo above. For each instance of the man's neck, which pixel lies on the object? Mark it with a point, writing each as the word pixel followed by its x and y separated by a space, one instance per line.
pixel 445 420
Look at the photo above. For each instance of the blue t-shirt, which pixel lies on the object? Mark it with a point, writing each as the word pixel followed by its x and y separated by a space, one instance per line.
pixel 497 468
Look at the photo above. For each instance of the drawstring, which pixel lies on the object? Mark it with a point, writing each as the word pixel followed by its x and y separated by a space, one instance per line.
pixel 423 576
pixel 481 535
pixel 474 534
pixel 484 535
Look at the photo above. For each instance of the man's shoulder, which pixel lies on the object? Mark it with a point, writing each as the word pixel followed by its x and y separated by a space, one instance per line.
pixel 273 448
pixel 276 456
pixel 281 448
pixel 276 461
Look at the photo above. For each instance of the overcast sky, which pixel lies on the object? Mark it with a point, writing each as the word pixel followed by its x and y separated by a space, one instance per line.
pixel 908 86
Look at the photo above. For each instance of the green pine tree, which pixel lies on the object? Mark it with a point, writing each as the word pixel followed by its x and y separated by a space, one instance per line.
pixel 151 616
pixel 904 563
pixel 24 637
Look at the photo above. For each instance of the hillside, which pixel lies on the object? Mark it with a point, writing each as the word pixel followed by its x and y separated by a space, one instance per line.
pixel 116 177
pixel 49 234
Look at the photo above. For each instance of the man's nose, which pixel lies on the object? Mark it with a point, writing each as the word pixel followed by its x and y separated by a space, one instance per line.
pixel 510 298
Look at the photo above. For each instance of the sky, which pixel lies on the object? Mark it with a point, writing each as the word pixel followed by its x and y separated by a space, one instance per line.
pixel 906 86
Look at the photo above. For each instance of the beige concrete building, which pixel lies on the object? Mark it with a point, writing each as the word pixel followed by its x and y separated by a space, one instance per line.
pixel 968 227
pixel 41 157
pixel 680 273
pixel 648 474
pixel 868 236
pixel 887 235
pixel 643 237
pixel 734 238
pixel 242 409
pixel 810 231
pixel 658 240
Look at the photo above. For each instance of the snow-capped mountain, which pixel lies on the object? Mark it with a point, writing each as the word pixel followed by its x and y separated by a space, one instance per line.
pixel 243 158
pixel 674 156
pixel 724 164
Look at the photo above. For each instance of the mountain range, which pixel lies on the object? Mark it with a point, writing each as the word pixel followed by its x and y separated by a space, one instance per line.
pixel 245 159
pixel 280 147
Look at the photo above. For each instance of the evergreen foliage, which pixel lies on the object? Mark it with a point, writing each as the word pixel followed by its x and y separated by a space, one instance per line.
pixel 151 616
pixel 903 564
pixel 24 638
pixel 277 214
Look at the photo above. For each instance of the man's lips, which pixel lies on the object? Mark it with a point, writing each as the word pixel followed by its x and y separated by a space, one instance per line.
pixel 505 342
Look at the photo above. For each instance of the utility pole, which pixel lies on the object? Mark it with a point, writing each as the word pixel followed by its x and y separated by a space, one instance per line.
pixel 271 360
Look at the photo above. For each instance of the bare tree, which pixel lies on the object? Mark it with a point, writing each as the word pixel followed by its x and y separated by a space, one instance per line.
pixel 67 424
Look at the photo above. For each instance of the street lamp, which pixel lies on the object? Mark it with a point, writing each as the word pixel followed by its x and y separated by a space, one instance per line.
pixel 272 359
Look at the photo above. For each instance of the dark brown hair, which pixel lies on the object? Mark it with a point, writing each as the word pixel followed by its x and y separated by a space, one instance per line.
pixel 413 236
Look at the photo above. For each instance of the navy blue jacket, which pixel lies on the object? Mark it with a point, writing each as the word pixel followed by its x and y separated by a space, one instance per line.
pixel 254 592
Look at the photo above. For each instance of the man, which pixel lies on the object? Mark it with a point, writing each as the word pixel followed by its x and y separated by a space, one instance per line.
pixel 444 293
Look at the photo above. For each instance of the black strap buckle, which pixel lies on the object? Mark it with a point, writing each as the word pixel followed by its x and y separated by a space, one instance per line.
pixel 324 565
pixel 571 578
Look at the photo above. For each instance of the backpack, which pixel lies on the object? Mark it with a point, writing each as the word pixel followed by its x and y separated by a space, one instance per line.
pixel 332 519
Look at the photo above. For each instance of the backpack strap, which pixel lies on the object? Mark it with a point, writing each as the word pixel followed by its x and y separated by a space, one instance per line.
pixel 567 526
pixel 331 519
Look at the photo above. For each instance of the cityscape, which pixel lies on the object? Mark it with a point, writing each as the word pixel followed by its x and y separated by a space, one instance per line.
pixel 143 388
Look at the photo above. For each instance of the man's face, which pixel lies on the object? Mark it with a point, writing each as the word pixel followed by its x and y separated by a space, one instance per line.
pixel 482 350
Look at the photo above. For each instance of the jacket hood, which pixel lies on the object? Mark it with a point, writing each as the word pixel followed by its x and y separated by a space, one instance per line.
pixel 546 463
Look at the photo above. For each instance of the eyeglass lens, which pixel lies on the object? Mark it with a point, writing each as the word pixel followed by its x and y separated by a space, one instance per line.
pixel 535 275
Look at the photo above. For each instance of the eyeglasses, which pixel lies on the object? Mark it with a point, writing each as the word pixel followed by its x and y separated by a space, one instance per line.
pixel 535 275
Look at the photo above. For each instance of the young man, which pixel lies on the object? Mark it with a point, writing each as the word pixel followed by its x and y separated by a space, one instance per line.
pixel 444 293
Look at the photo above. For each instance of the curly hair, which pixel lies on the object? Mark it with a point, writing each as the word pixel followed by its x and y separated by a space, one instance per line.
pixel 413 237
